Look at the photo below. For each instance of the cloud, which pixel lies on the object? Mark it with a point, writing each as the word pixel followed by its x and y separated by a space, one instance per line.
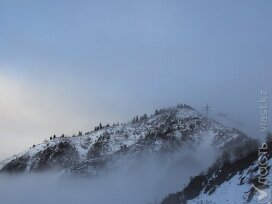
pixel 29 114
pixel 134 181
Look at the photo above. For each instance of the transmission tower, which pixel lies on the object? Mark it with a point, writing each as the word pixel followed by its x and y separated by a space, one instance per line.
pixel 207 110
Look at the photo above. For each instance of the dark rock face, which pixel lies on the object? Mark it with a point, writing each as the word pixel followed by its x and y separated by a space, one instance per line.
pixel 59 156
pixel 100 146
pixel 17 165
pixel 62 155
pixel 207 183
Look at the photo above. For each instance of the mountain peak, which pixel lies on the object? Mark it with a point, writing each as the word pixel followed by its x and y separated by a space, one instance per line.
pixel 167 129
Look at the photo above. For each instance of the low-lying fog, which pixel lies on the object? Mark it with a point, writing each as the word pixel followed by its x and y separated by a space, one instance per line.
pixel 136 182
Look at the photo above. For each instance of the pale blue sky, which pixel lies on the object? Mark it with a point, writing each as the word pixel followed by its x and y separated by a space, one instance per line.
pixel 66 65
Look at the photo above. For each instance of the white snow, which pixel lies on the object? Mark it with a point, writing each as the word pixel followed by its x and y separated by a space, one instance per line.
pixel 129 134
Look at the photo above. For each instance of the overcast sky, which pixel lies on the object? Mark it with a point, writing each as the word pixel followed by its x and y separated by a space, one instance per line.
pixel 67 65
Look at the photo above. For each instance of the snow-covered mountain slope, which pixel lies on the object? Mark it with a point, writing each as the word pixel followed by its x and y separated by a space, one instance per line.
pixel 229 182
pixel 166 130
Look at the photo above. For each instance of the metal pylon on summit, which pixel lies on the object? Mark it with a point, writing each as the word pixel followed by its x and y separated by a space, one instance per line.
pixel 207 109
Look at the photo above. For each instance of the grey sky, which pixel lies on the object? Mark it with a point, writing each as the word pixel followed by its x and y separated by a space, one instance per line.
pixel 66 65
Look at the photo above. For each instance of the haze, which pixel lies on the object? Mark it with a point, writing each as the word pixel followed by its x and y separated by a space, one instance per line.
pixel 65 66
pixel 140 181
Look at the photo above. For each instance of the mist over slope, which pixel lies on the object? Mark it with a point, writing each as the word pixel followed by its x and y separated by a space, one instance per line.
pixel 166 131
pixel 138 162
pixel 235 177
pixel 143 181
